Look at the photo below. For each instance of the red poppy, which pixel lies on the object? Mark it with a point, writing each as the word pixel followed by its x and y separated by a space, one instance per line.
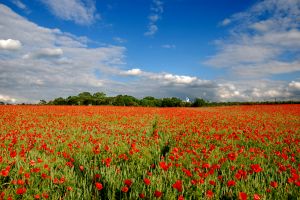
pixel 141 195
pixel 256 197
pixel 209 194
pixel 178 185
pixel 274 184
pixel 256 168
pixel 147 181
pixel 125 189
pixel 13 154
pixel 232 156
pixel 231 183
pixel 4 172
pixel 20 182
pixel 81 168
pixel 128 182
pixel 21 191
pixel 45 195
pixel 99 186
pixel 212 182
pixel 157 194
pixel 242 196
pixel 181 197
pixel 97 176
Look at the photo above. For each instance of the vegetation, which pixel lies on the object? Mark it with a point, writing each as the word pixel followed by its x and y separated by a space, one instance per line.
pixel 100 98
pixel 131 153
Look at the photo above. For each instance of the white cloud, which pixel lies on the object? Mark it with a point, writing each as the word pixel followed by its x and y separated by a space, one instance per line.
pixel 10 44
pixel 156 12
pixel 82 12
pixel 228 92
pixel 260 40
pixel 7 99
pixel 132 72
pixel 167 78
pixel 269 68
pixel 225 22
pixel 294 85
pixel 68 65
pixel 45 53
pixel 19 4
pixel 119 40
pixel 168 46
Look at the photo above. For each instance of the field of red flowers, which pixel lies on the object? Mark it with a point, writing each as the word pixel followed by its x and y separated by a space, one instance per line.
pixel 72 152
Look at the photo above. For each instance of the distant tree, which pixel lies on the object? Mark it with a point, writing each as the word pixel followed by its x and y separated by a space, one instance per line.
pixel 73 100
pixel 171 102
pixel 150 102
pixel 99 98
pixel 2 103
pixel 85 98
pixel 42 102
pixel 199 102
pixel 59 101
pixel 125 100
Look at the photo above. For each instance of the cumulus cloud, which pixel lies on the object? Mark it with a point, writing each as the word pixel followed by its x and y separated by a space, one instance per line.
pixel 294 85
pixel 7 99
pixel 156 12
pixel 10 44
pixel 132 72
pixel 45 53
pixel 260 39
pixel 82 12
pixel 51 63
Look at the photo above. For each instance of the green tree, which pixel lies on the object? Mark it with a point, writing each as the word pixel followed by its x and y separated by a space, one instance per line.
pixel 59 101
pixel 85 98
pixel 199 102
pixel 43 102
pixel 99 98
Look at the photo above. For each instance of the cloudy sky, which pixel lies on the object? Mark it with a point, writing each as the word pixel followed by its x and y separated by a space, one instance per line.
pixel 219 50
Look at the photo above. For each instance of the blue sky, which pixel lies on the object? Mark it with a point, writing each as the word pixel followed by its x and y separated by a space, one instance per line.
pixel 222 50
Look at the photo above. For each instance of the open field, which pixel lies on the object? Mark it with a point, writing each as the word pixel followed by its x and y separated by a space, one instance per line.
pixel 65 152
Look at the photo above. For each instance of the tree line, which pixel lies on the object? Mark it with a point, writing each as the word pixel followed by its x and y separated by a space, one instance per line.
pixel 100 98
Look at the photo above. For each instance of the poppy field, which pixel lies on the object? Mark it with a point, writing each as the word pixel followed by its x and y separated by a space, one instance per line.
pixel 106 152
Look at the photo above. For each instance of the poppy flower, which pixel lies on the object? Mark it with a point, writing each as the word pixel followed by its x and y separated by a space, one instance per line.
pixel 147 181
pixel 256 197
pixel 274 184
pixel 231 183
pixel 81 168
pixel 99 186
pixel 209 194
pixel 4 172
pixel 256 168
pixel 45 195
pixel 125 189
pixel 242 196
pixel 178 185
pixel 157 194
pixel 232 156
pixel 21 191
pixel 181 197
pixel 128 182
pixel 212 182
